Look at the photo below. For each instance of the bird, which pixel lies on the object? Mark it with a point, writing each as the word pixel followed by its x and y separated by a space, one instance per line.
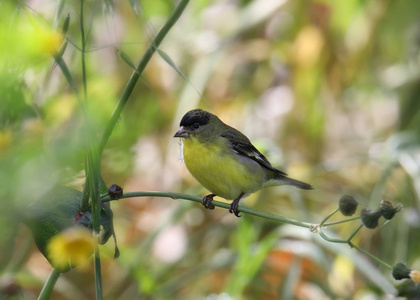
pixel 224 161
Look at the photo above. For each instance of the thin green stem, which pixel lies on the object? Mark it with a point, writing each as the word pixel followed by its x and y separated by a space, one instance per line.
pixel 98 276
pixel 334 240
pixel 61 63
pixel 354 233
pixel 329 216
pixel 262 215
pixel 49 285
pixel 94 173
pixel 329 239
pixel 350 243
pixel 341 221
pixel 139 70
pixel 92 167
pixel 215 203
pixel 82 32
pixel 370 255
pixel 84 205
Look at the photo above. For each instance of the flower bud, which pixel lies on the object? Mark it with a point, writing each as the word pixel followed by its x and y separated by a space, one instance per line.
pixel 400 271
pixel 115 192
pixel 347 205
pixel 415 276
pixel 388 209
pixel 370 218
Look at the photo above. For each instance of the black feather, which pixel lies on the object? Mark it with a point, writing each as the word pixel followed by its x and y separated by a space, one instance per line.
pixel 245 148
pixel 195 116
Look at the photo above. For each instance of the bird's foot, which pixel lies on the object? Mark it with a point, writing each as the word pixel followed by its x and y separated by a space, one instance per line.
pixel 234 206
pixel 207 201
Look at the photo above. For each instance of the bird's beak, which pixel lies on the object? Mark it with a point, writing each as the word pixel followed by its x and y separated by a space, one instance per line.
pixel 182 133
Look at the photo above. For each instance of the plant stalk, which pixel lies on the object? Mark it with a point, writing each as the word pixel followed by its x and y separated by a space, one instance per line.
pixel 49 285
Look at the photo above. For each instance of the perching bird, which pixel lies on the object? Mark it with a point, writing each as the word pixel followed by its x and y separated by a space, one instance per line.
pixel 224 161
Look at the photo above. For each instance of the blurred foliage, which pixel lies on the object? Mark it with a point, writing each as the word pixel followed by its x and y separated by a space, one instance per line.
pixel 326 89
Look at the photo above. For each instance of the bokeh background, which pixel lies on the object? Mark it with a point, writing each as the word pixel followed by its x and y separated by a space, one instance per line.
pixel 327 90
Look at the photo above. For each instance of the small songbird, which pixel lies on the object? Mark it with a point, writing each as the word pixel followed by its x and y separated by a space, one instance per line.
pixel 224 161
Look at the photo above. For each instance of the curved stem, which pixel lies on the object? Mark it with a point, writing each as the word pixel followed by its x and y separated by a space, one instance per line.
pixel 49 285
pixel 329 216
pixel 329 239
pixel 370 255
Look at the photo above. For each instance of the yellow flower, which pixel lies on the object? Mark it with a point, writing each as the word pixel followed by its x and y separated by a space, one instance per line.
pixel 415 276
pixel 37 40
pixel 49 41
pixel 70 248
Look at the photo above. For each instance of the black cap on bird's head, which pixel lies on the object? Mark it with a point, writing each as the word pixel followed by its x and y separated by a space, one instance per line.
pixel 195 116
pixel 192 121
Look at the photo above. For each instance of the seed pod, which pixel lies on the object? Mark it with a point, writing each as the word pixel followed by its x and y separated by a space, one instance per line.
pixel 388 209
pixel 370 218
pixel 347 205
pixel 400 271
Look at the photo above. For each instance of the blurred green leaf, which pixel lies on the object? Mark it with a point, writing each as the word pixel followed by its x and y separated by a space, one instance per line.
pixel 51 214
pixel 126 58
pixel 170 62
pixel 292 279
pixel 252 252
pixel 66 25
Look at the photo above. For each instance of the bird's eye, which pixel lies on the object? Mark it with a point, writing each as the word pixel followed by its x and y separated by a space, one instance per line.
pixel 196 125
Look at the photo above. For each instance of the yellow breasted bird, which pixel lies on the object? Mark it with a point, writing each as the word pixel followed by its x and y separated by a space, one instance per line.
pixel 224 161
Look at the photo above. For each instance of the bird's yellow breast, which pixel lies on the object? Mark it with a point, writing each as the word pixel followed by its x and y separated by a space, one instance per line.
pixel 220 170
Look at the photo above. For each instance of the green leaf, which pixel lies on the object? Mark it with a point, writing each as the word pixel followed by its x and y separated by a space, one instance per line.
pixel 292 279
pixel 56 211
pixel 126 58
pixel 62 49
pixel 252 251
pixel 51 214
pixel 170 62
pixel 103 189
pixel 66 25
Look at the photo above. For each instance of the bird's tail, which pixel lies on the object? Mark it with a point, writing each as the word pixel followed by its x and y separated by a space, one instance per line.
pixel 284 180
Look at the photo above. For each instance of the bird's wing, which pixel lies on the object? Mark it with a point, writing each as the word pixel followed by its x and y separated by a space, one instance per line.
pixel 242 145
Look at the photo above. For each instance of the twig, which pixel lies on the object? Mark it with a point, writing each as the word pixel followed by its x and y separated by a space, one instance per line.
pixel 215 203
pixel 311 226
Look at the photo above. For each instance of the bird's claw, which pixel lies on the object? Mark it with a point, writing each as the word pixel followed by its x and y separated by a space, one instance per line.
pixel 235 205
pixel 207 201
pixel 234 208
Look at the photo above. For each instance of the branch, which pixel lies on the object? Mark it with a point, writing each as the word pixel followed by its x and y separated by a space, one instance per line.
pixel 215 203
pixel 315 228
